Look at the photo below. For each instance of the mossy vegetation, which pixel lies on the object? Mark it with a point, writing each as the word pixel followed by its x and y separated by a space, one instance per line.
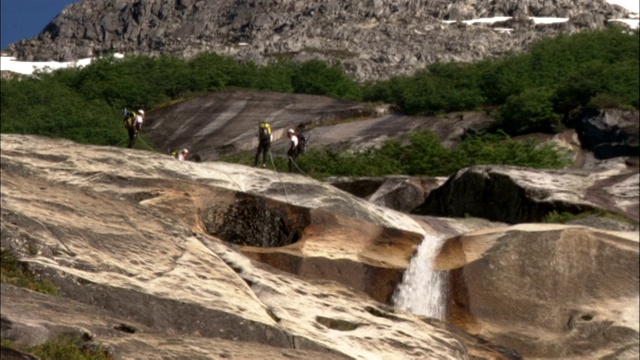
pixel 17 273
pixel 62 348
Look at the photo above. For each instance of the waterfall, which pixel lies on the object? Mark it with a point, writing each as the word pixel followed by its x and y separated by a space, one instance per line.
pixel 423 290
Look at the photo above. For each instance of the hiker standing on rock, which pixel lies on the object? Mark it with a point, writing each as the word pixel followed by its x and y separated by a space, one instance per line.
pixel 133 123
pixel 264 142
pixel 292 153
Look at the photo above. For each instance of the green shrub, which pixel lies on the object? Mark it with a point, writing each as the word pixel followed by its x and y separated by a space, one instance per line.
pixel 529 111
pixel 61 348
pixel 16 273
pixel 604 101
pixel 425 155
pixel 573 67
pixel 317 78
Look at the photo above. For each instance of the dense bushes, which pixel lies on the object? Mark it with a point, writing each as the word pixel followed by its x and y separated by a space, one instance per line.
pixel 425 155
pixel 49 108
pixel 531 91
pixel 531 110
pixel 597 68
pixel 317 78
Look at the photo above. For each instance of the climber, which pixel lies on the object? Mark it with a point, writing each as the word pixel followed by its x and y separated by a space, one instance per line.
pixel 292 153
pixel 264 142
pixel 133 123
pixel 181 156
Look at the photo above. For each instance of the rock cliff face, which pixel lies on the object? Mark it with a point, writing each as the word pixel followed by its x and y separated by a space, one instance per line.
pixel 372 39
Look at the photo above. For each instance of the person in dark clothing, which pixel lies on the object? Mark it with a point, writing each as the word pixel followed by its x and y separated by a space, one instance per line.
pixel 292 153
pixel 264 137
pixel 134 127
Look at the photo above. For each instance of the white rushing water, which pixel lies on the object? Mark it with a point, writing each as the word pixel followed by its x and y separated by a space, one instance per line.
pixel 423 290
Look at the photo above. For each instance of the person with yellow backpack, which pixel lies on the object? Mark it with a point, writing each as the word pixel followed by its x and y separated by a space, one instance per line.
pixel 133 123
pixel 264 142
pixel 180 155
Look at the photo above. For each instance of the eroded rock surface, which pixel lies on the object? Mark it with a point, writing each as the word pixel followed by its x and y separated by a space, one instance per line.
pixel 127 237
pixel 146 250
pixel 549 291
pixel 223 123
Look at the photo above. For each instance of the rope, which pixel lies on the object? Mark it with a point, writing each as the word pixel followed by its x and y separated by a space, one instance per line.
pixel 145 144
pixel 235 182
pixel 284 187
pixel 297 167
pixel 186 169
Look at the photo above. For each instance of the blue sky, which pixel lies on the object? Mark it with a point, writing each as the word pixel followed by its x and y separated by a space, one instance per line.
pixel 22 19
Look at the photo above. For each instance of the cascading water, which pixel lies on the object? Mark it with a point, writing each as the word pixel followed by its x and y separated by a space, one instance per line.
pixel 423 289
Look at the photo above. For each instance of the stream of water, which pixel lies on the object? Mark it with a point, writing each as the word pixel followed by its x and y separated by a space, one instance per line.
pixel 423 290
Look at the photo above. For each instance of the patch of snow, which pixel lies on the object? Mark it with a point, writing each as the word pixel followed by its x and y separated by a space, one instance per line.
pixel 9 63
pixel 537 20
pixel 481 20
pixel 633 23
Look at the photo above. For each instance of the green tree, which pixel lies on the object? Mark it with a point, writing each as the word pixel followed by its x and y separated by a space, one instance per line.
pixel 317 78
pixel 529 111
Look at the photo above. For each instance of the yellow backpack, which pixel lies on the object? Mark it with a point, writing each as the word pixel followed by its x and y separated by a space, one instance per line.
pixel 128 118
pixel 265 131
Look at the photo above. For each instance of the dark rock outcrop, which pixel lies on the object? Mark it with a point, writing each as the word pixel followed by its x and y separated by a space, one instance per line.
pixel 609 133
pixel 518 195
pixel 402 193
pixel 371 39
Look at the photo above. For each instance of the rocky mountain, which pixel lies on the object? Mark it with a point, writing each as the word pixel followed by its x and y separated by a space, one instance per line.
pixel 153 257
pixel 372 39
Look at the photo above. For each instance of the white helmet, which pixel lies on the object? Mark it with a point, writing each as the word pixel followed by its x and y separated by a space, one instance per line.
pixel 185 151
pixel 141 112
pixel 291 131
